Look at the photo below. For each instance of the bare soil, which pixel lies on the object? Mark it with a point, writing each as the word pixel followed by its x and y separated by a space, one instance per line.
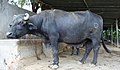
pixel 68 62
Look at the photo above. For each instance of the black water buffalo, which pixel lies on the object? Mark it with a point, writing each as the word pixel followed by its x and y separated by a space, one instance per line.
pixel 61 26
pixel 77 49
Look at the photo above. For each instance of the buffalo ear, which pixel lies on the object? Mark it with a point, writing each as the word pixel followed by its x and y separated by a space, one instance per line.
pixel 32 26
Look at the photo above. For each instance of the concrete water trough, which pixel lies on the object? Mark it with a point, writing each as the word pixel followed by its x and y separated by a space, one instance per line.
pixel 12 50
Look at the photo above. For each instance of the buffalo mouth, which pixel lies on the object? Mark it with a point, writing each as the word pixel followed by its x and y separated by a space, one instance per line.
pixel 12 37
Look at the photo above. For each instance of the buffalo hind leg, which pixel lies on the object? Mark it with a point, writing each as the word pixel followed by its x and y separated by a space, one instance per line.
pixel 88 48
pixel 96 46
pixel 95 50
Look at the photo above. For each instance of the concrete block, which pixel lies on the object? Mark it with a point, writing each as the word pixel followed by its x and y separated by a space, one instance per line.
pixel 47 50
pixel 12 50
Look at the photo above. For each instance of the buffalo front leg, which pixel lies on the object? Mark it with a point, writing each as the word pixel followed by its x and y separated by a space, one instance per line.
pixel 88 48
pixel 54 46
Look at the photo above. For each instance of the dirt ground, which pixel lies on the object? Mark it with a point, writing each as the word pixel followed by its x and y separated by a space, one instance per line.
pixel 68 62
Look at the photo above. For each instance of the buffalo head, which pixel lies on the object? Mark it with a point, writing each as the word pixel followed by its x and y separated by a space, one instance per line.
pixel 20 26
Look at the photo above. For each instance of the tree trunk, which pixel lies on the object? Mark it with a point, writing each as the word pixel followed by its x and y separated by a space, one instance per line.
pixel 35 7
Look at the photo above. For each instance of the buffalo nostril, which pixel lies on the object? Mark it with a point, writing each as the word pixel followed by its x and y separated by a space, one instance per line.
pixel 8 33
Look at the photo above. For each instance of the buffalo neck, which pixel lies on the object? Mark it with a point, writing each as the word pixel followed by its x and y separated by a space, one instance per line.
pixel 37 21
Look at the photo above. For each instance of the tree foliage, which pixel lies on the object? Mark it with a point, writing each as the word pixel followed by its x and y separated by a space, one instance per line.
pixel 21 2
pixel 108 34
pixel 34 3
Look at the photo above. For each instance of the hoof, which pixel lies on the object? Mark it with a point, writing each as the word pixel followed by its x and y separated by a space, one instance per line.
pixel 80 63
pixel 77 54
pixel 71 54
pixel 38 58
pixel 92 65
pixel 54 67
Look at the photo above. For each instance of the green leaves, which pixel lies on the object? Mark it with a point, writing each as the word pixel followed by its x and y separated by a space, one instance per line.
pixel 21 2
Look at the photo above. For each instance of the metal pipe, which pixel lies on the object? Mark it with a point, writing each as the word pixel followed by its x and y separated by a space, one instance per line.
pixel 117 32
pixel 86 4
pixel 111 34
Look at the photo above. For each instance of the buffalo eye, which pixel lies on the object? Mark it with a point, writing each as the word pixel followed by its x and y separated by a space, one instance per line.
pixel 10 25
pixel 24 22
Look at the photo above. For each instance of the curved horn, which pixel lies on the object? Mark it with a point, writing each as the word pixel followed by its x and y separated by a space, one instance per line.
pixel 26 17
pixel 14 15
